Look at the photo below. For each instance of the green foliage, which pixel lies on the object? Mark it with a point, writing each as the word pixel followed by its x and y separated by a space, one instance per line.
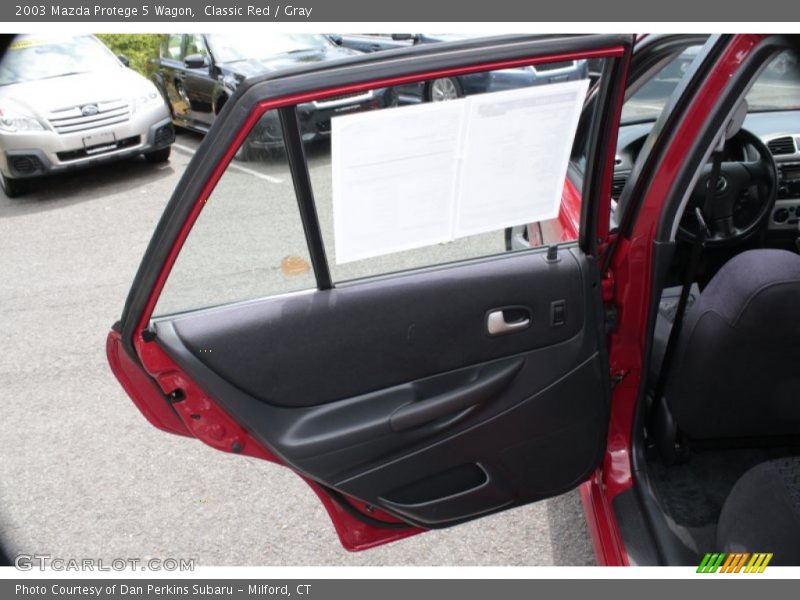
pixel 140 48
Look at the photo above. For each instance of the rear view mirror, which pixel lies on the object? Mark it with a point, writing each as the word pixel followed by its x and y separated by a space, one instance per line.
pixel 124 60
pixel 195 61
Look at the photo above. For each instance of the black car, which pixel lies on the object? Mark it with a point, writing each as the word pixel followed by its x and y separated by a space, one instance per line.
pixel 449 88
pixel 198 73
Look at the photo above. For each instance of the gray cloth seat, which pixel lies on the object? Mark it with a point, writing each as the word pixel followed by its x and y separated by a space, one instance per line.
pixel 762 512
pixel 736 371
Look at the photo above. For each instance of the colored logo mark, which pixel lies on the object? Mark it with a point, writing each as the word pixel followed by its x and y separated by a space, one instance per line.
pixel 737 562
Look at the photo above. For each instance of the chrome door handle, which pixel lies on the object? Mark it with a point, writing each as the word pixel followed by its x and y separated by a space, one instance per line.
pixel 507 320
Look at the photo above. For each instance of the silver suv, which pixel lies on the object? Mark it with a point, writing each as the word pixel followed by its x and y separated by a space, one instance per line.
pixel 68 102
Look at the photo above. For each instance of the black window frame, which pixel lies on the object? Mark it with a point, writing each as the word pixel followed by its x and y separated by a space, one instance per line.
pixel 363 72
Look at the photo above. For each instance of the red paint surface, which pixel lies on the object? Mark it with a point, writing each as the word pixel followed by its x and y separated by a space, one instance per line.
pixel 354 534
pixel 569 214
pixel 602 524
pixel 141 389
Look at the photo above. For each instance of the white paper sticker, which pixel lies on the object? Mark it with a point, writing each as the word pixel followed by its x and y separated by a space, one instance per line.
pixel 394 173
pixel 414 176
pixel 516 152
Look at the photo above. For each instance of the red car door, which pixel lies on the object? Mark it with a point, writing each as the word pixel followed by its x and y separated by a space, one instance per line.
pixel 421 388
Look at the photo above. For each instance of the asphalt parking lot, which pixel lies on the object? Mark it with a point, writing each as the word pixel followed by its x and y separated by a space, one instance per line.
pixel 82 474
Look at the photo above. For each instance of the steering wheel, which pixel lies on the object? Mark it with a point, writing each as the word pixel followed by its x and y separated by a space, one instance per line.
pixel 744 196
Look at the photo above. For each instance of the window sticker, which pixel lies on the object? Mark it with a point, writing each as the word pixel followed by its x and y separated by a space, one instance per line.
pixel 420 175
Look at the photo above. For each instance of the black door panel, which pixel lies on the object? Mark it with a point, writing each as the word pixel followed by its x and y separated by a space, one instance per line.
pixel 542 446
pixel 377 401
pixel 314 348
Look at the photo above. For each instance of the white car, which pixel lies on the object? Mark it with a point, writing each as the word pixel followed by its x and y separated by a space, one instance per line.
pixel 67 102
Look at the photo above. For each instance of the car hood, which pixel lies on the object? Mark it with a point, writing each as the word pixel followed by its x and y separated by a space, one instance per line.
pixel 46 95
pixel 258 66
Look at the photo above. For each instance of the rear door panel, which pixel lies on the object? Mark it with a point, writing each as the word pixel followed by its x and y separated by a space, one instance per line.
pixel 323 383
pixel 388 394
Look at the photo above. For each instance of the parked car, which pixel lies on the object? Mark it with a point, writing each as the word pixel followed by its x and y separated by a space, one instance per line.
pixel 422 399
pixel 448 88
pixel 198 73
pixel 67 102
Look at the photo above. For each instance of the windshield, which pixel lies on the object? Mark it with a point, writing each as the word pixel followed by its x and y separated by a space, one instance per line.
pixel 233 47
pixel 30 59
pixel 777 87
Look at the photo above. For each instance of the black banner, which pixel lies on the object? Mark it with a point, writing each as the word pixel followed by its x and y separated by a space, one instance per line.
pixel 408 10
pixel 393 589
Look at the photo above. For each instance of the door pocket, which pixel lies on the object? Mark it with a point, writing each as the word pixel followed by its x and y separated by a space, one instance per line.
pixel 463 492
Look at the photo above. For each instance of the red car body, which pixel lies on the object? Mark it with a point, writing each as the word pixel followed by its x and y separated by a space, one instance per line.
pixel 628 285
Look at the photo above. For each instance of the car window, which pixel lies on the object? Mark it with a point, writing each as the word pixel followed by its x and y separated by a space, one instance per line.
pixel 776 88
pixel 232 47
pixel 778 85
pixel 251 219
pixel 171 47
pixel 512 236
pixel 248 241
pixel 195 45
pixel 650 99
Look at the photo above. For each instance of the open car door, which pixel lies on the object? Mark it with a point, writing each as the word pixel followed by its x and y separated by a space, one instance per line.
pixel 413 383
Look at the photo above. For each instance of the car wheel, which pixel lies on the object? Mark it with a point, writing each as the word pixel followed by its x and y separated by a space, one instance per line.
pixel 446 88
pixel 158 156
pixel 13 187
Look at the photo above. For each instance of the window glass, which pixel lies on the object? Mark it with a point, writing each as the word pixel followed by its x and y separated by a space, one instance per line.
pixel 778 86
pixel 195 45
pixel 254 46
pixel 171 47
pixel 248 241
pixel 315 123
pixel 650 99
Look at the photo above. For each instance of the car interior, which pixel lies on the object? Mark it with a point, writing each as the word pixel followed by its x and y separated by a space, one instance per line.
pixel 718 437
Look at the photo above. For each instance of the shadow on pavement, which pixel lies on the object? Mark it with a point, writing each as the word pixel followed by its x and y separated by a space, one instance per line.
pixel 571 544
pixel 83 185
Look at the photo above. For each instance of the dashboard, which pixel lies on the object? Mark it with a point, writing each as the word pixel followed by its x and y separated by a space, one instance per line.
pixel 780 131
